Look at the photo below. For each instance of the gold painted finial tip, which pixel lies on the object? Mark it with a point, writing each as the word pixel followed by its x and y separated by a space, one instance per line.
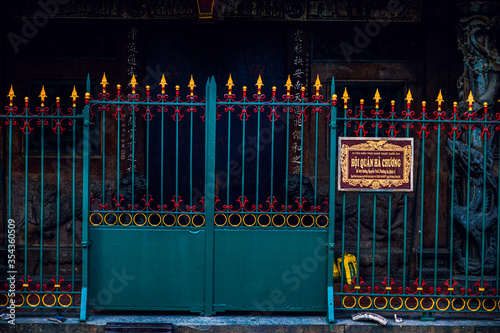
pixel 377 97
pixel 11 92
pixel 317 84
pixel 230 83
pixel 42 95
pixel 191 84
pixel 104 81
pixel 74 94
pixel 163 82
pixel 288 83
pixel 259 83
pixel 409 98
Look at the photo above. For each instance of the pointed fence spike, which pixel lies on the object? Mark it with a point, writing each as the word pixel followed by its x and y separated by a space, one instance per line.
pixel 345 96
pixel 104 81
pixel 191 84
pixel 11 93
pixel 317 84
pixel 409 98
pixel 163 82
pixel 230 83
pixel 377 97
pixel 288 83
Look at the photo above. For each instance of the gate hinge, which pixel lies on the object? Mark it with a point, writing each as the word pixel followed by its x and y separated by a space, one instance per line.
pixel 333 124
pixel 86 244
pixel 330 246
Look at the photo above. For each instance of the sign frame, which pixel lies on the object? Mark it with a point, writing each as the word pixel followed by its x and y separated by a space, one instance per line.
pixel 399 176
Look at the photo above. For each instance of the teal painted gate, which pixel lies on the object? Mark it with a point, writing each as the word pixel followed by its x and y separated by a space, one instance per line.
pixel 210 223
pixel 220 203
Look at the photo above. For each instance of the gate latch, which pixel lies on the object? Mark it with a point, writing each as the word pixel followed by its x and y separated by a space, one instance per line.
pixel 330 246
pixel 86 244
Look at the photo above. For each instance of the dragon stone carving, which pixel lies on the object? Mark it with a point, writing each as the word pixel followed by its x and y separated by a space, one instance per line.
pixel 481 76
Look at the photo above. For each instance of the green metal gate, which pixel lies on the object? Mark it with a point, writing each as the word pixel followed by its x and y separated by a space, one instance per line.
pixel 226 240
pixel 230 202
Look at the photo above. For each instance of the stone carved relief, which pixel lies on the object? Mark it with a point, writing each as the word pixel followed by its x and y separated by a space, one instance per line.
pixel 476 39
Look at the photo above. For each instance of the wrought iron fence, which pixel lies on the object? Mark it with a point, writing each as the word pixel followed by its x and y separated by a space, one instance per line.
pixel 255 163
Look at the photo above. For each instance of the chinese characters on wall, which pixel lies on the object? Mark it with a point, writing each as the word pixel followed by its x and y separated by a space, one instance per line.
pixel 299 69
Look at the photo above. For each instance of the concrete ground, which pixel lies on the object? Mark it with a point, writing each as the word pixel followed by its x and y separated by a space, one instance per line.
pixel 246 324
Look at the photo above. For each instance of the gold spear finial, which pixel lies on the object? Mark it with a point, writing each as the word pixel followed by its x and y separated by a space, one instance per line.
pixel 11 93
pixel 133 81
pixel 440 100
pixel 163 82
pixel 259 83
pixel 191 84
pixel 409 98
pixel 288 85
pixel 470 100
pixel 377 97
pixel 230 83
pixel 74 96
pixel 43 95
pixel 317 84
pixel 104 81
pixel 345 96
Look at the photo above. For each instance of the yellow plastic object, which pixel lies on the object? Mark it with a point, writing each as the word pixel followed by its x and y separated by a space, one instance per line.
pixel 350 267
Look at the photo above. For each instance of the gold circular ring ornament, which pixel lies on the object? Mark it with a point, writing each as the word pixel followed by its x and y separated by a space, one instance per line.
pixel 149 219
pixel 453 304
pixel 145 219
pixel 382 307
pixel 279 225
pixel 400 301
pixel 307 216
pixel 49 305
pixel 106 218
pixel 28 300
pixel 222 224
pixel 125 214
pixel 173 218
pixel 443 299
pixel 202 220
pixel 353 304
pixel 239 219
pixel 98 214
pixel 268 220
pixel 288 221
pixel 64 305
pixel 186 217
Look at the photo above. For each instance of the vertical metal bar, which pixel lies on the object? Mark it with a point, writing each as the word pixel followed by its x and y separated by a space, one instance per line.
pixel 58 191
pixel 42 195
pixel 210 131
pixel 85 203
pixel 331 203
pixel 26 164
pixel 452 200
pixel 257 147
pixel 389 242
pixel 118 144
pixel 436 225
pixel 422 197
pixel 228 171
pixel 469 139
pixel 73 199
pixel 485 152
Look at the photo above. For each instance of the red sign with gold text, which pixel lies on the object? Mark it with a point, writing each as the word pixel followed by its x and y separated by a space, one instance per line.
pixel 375 164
